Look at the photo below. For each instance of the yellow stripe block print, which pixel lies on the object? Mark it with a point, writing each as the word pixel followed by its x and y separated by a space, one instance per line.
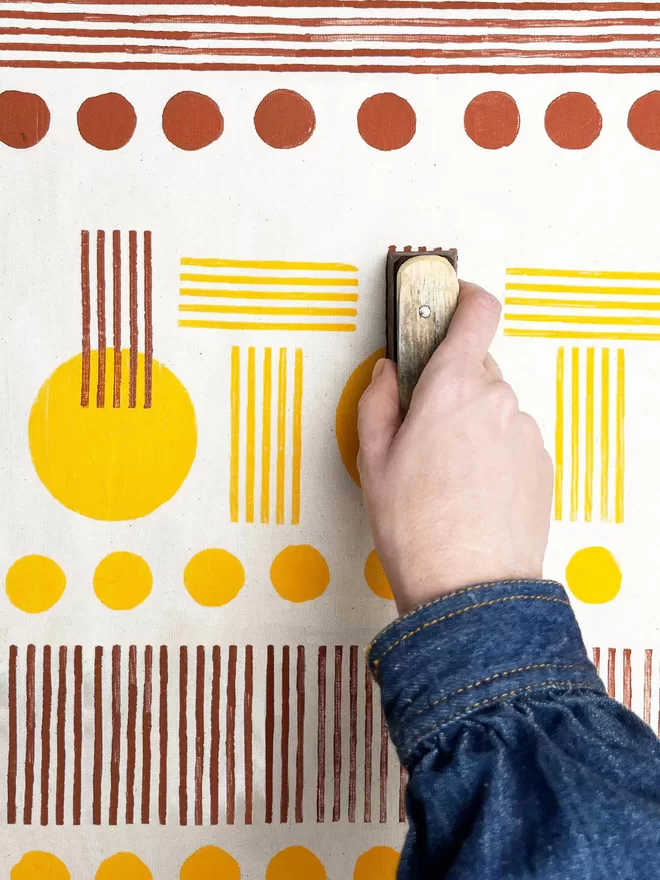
pixel 579 334
pixel 309 311
pixel 632 321
pixel 297 437
pixel 298 295
pixel 582 304
pixel 605 437
pixel 269 279
pixel 575 430
pixel 559 434
pixel 250 428
pixel 212 262
pixel 589 444
pixel 258 325
pixel 585 273
pixel 235 402
pixel 620 415
pixel 582 288
pixel 281 438
pixel 265 436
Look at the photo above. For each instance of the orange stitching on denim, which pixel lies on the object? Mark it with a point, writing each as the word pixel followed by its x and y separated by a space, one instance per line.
pixel 429 623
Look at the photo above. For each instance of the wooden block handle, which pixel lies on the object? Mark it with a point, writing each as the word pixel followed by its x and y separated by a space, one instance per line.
pixel 427 294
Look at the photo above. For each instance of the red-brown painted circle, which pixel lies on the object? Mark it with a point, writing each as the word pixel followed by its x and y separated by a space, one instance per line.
pixel 386 121
pixel 573 121
pixel 492 120
pixel 284 119
pixel 192 121
pixel 107 122
pixel 644 120
pixel 24 119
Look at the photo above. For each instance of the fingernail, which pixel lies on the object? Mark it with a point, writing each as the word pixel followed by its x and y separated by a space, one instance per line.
pixel 378 369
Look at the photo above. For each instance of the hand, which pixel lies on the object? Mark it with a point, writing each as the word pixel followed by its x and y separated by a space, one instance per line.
pixel 460 493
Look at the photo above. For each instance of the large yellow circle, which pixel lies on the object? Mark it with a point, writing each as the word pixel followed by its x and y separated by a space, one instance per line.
pixel 593 575
pixel 210 863
pixel 35 583
pixel 347 413
pixel 112 463
pixel 37 865
pixel 214 577
pixel 378 863
pixel 122 580
pixel 374 575
pixel 295 863
pixel 123 866
pixel 299 573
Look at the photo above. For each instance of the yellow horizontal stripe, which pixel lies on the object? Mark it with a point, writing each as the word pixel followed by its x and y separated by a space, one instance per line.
pixel 300 295
pixel 581 304
pixel 586 273
pixel 269 279
pixel 580 334
pixel 584 288
pixel 312 311
pixel 259 325
pixel 579 319
pixel 214 263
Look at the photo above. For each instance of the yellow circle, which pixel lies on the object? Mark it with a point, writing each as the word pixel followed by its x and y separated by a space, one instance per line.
pixel 374 575
pixel 593 575
pixel 38 865
pixel 299 573
pixel 379 863
pixel 123 866
pixel 347 409
pixel 35 583
pixel 122 580
pixel 210 863
pixel 295 863
pixel 112 463
pixel 214 577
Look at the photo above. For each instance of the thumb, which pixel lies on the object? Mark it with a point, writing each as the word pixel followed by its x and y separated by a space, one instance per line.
pixel 379 417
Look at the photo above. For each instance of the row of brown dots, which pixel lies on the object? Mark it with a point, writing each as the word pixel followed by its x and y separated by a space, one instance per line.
pixel 285 119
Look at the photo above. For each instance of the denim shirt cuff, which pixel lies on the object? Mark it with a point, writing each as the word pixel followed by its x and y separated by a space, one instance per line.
pixel 473 648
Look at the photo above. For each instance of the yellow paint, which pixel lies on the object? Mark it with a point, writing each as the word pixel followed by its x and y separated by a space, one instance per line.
pixel 299 573
pixel 589 440
pixel 35 583
pixel 295 863
pixel 296 453
pixel 281 438
pixel 309 311
pixel 581 334
pixel 300 295
pixel 122 580
pixel 266 264
pixel 293 280
pixel 37 865
pixel 123 866
pixel 214 577
pixel 588 303
pixel 112 464
pixel 620 415
pixel 374 575
pixel 346 416
pixel 575 431
pixel 559 435
pixel 262 325
pixel 210 863
pixel 586 273
pixel 593 575
pixel 250 430
pixel 605 436
pixel 379 863
pixel 579 319
pixel 235 431
pixel 266 435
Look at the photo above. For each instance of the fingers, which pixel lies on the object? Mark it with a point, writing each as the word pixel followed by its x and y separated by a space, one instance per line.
pixel 473 326
pixel 379 416
pixel 492 367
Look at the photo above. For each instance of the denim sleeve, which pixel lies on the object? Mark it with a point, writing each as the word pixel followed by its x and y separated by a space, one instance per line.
pixel 519 764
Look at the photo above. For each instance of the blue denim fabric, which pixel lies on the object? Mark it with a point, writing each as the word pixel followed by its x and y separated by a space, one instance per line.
pixel 520 765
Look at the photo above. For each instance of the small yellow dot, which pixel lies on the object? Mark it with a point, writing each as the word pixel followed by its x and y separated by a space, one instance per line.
pixel 123 866
pixel 35 583
pixel 295 863
pixel 374 575
pixel 593 575
pixel 122 580
pixel 214 577
pixel 299 573
pixel 379 863
pixel 347 412
pixel 38 865
pixel 210 863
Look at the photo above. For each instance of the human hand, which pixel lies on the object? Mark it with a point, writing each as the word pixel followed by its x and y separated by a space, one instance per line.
pixel 460 493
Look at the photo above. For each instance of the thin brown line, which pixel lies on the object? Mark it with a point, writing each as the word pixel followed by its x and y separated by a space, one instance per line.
pixel 320 735
pixel 627 679
pixel 97 777
pixel 46 711
pixel 300 724
pixel 529 5
pixel 368 741
pixel 133 318
pixel 86 316
pixel 163 736
pixel 60 773
pixel 147 721
pixel 214 769
pixel 596 659
pixel 352 748
pixel 403 780
pixel 336 736
pixel 29 733
pixel 131 734
pixel 115 744
pixel 230 743
pixel 100 316
pixel 648 683
pixel 611 664
pixel 183 735
pixel 270 730
pixel 247 732
pixel 77 733
pixel 148 322
pixel 116 315
pixel 199 734
pixel 383 767
pixel 12 756
pixel 284 741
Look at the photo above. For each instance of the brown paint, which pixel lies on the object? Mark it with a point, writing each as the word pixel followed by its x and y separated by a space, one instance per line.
pixel 300 723
pixel 100 316
pixel 148 322
pixel 77 734
pixel 29 733
pixel 163 736
pixel 115 743
pixel 386 121
pixel 230 742
pixel 320 735
pixel 284 119
pixel 199 733
pixel 107 122
pixel 132 318
pixel 352 740
pixel 573 121
pixel 214 756
pixel 611 668
pixel 97 773
pixel 284 737
pixel 336 737
pixel 147 721
pixel 60 772
pixel 627 679
pixel 183 735
pixel 131 734
pixel 644 120
pixel 596 659
pixel 368 741
pixel 270 731
pixel 12 750
pixel 86 316
pixel 247 731
pixel 116 316
pixel 403 781
pixel 527 5
pixel 24 119
pixel 492 120
pixel 46 711
pixel 648 681
pixel 191 120
pixel 383 767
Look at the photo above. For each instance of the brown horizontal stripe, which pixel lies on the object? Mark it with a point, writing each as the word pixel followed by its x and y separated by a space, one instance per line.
pixel 527 5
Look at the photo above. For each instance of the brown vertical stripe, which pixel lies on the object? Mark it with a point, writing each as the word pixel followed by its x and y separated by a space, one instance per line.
pixel 270 729
pixel 46 711
pixel 352 742
pixel 163 736
pixel 100 316
pixel 29 734
pixel 183 735
pixel 148 322
pixel 627 679
pixel 116 316
pixel 336 738
pixel 611 666
pixel 403 779
pixel 147 697
pixel 60 773
pixel 320 735
pixel 98 735
pixel 300 746
pixel 383 767
pixel 131 734
pixel 368 741
pixel 199 733
pixel 115 743
pixel 230 743
pixel 86 316
pixel 247 731
pixel 284 741
pixel 133 318
pixel 12 757
pixel 77 734
pixel 596 656
pixel 215 735
pixel 648 681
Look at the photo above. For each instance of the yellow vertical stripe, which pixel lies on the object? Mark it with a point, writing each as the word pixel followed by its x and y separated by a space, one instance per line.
pixel 605 437
pixel 589 451
pixel 620 415
pixel 265 437
pixel 281 438
pixel 250 429
pixel 575 430
pixel 297 437
pixel 559 435
pixel 235 402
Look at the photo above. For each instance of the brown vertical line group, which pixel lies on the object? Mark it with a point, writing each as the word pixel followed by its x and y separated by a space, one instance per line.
pixel 147 293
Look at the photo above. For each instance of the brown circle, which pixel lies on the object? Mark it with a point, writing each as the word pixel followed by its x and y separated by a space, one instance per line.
pixel 644 120
pixel 284 119
pixel 386 121
pixel 24 119
pixel 192 121
pixel 107 121
pixel 573 121
pixel 492 120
